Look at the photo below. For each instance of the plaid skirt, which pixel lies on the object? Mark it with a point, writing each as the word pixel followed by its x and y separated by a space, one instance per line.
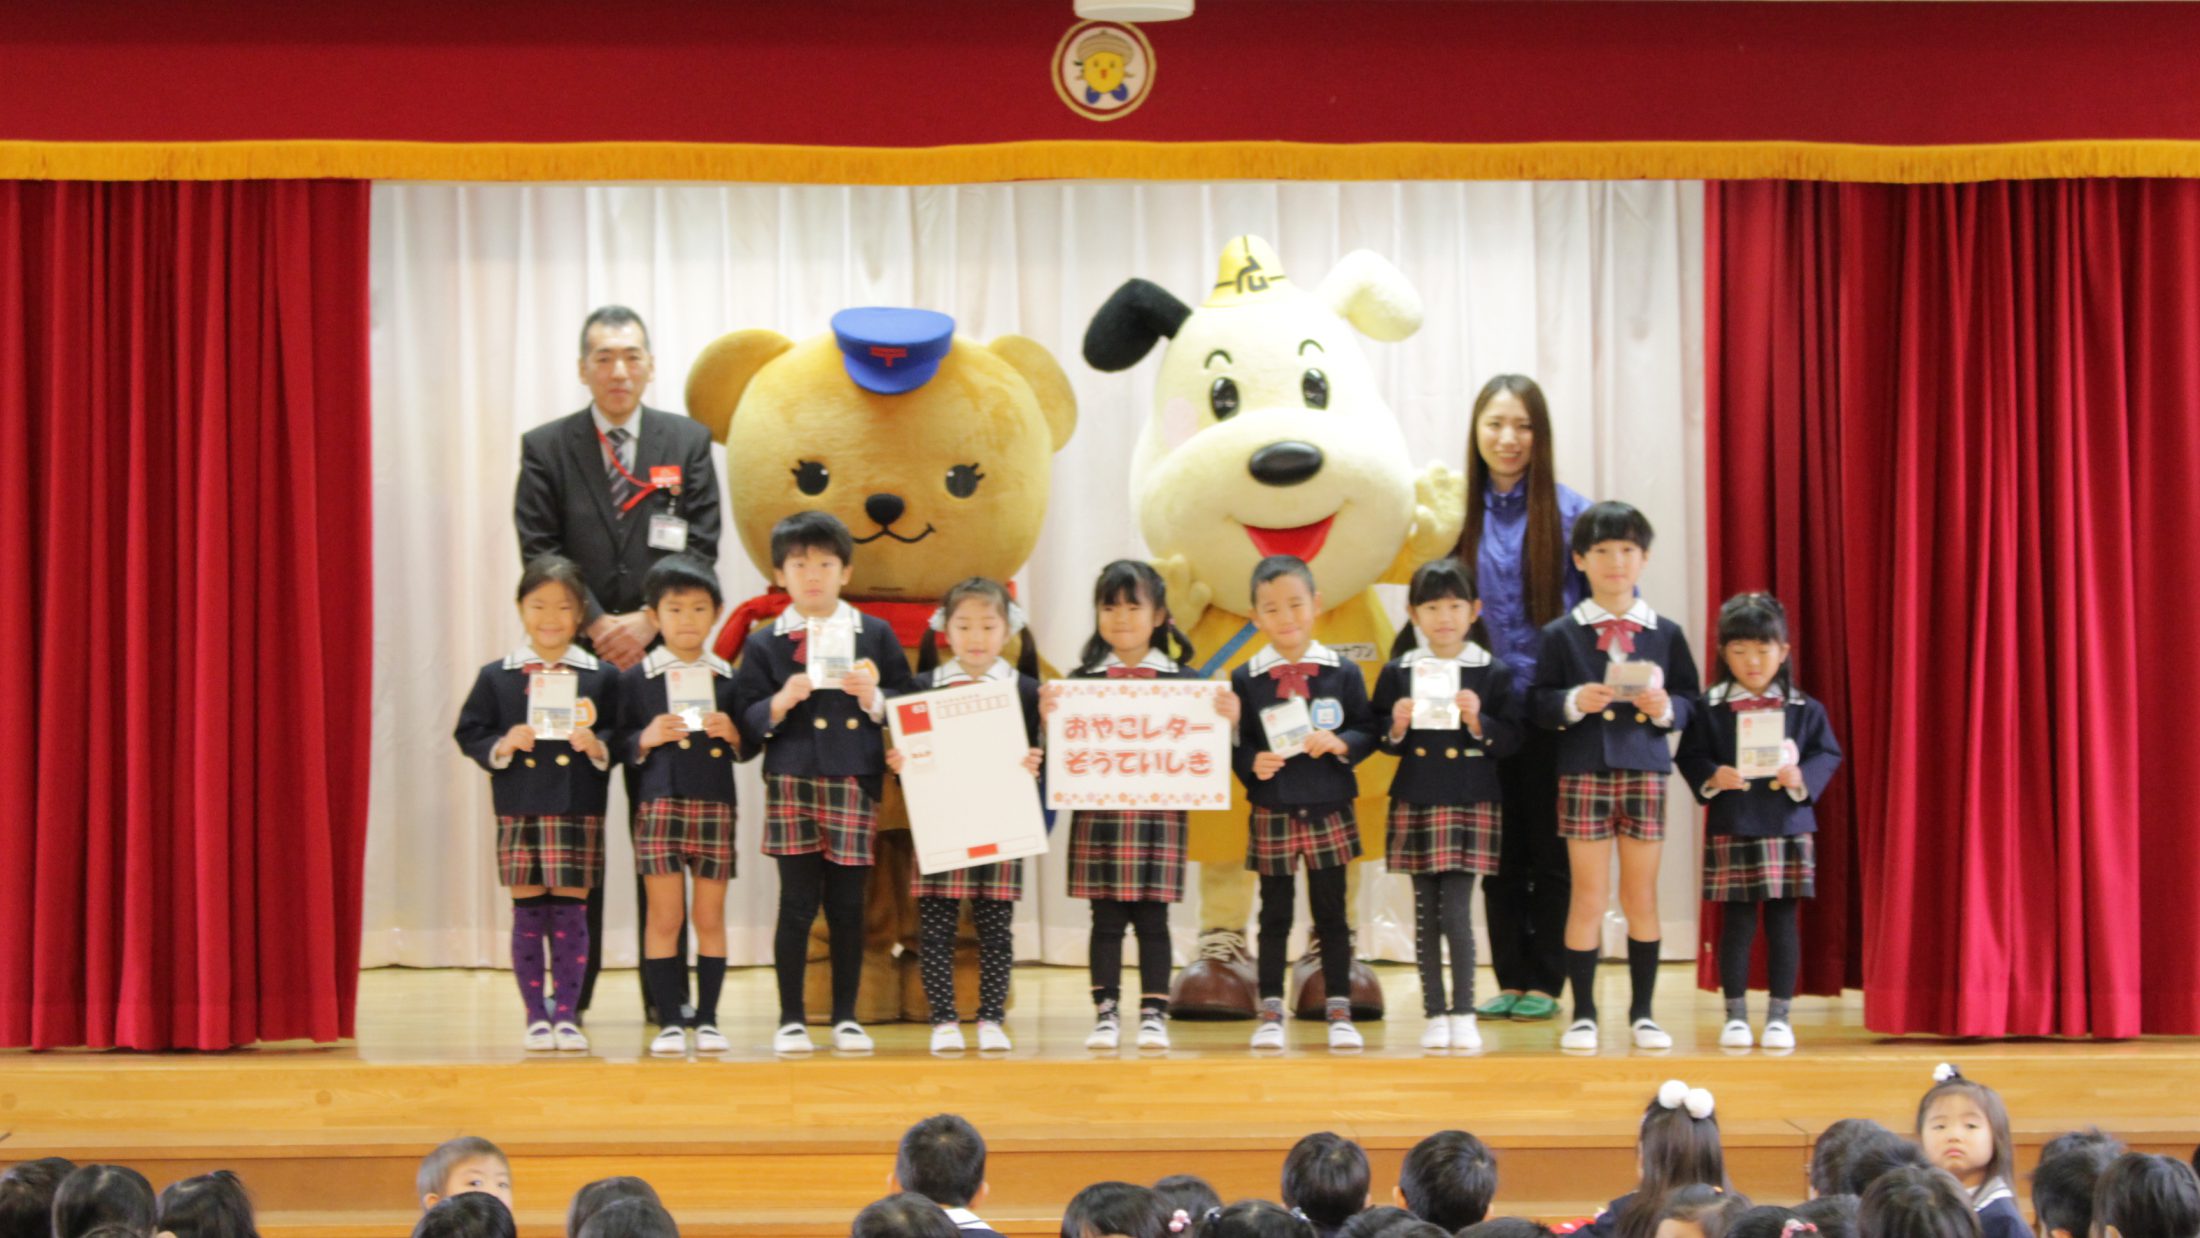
pixel 1131 857
pixel 1444 838
pixel 1276 838
pixel 550 851
pixel 1003 881
pixel 1592 806
pixel 1749 870
pixel 672 835
pixel 806 814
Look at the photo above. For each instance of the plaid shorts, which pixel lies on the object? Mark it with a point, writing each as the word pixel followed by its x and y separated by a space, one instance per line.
pixel 805 814
pixel 1444 838
pixel 1592 806
pixel 1132 857
pixel 1003 881
pixel 673 835
pixel 1748 870
pixel 1276 838
pixel 550 851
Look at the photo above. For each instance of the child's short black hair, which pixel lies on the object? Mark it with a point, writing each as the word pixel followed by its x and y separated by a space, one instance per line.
pixel 907 1215
pixel 435 1168
pixel 1830 1152
pixel 1381 1221
pixel 95 1195
pixel 1507 1227
pixel 553 570
pixel 2062 1185
pixel 1448 1179
pixel 602 1193
pixel 1110 1208
pixel 1834 1215
pixel 812 531
pixel 26 1196
pixel 943 1159
pixel 475 1214
pixel 632 1217
pixel 1768 1221
pixel 211 1205
pixel 1326 1177
pixel 1276 567
pixel 1611 521
pixel 1254 1218
pixel 682 573
pixel 2143 1196
pixel 1877 1156
pixel 1917 1201
pixel 1186 1198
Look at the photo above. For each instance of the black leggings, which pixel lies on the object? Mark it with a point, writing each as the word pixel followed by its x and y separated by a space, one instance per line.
pixel 1527 899
pixel 1443 912
pixel 1783 946
pixel 805 881
pixel 937 921
pixel 1325 895
pixel 1109 918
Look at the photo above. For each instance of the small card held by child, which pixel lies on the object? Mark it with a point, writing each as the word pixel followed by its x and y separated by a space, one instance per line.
pixel 1760 742
pixel 1289 724
pixel 690 694
pixel 553 704
pixel 831 644
pixel 1435 695
pixel 1631 678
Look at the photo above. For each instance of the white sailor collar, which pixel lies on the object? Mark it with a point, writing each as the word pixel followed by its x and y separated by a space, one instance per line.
pixel 790 618
pixel 661 660
pixel 575 656
pixel 949 673
pixel 1589 614
pixel 1471 656
pixel 1730 690
pixel 1317 653
pixel 1155 660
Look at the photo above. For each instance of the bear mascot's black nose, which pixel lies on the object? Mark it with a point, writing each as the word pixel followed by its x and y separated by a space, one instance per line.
pixel 884 508
pixel 1286 464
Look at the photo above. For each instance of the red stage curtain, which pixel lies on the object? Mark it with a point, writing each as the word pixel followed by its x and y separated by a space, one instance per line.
pixel 1955 428
pixel 184 550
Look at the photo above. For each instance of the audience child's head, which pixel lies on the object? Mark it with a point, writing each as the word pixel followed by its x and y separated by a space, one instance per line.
pixel 1186 1198
pixel 1115 1208
pixel 1448 1180
pixel 602 1193
pixel 1130 612
pixel 26 1196
pixel 2142 1196
pixel 1507 1227
pixel 1964 1129
pixel 903 1215
pixel 632 1217
pixel 1445 609
pixel 1377 1222
pixel 467 1163
pixel 1772 1221
pixel 812 559
pixel 1611 545
pixel 1753 643
pixel 95 1195
pixel 682 597
pixel 1325 1177
pixel 1285 602
pixel 1834 1215
pixel 2062 1184
pixel 943 1159
pixel 1699 1211
pixel 470 1214
pixel 1877 1155
pixel 1677 1146
pixel 1917 1201
pixel 212 1205
pixel 552 602
pixel 976 618
pixel 1831 1151
pixel 1254 1218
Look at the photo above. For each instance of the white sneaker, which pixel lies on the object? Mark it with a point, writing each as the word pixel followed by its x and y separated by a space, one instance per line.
pixel 1581 1034
pixel 1269 1034
pixel 1778 1035
pixel 1342 1035
pixel 792 1038
pixel 1106 1034
pixel 569 1038
pixel 850 1037
pixel 1648 1035
pixel 992 1038
pixel 671 1042
pixel 709 1039
pixel 1437 1035
pixel 947 1038
pixel 1153 1033
pixel 539 1039
pixel 1466 1034
pixel 1735 1035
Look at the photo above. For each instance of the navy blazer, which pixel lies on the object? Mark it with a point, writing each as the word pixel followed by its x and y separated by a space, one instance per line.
pixel 826 735
pixel 1620 737
pixel 696 766
pixel 1449 767
pixel 1304 780
pixel 1766 809
pixel 553 780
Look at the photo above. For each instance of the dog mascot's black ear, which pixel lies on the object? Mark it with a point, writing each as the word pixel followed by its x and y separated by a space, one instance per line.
pixel 1126 328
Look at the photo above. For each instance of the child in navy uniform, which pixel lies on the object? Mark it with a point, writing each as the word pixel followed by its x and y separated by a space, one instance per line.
pixel 1757 834
pixel 1613 757
pixel 824 766
pixel 549 796
pixel 976 617
pixel 1446 811
pixel 1301 804
pixel 684 821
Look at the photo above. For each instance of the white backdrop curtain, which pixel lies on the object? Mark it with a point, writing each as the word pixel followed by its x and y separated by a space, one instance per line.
pixel 1594 288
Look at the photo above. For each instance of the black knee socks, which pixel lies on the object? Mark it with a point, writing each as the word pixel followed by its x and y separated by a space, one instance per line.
pixel 1581 973
pixel 1642 976
pixel 710 979
pixel 666 982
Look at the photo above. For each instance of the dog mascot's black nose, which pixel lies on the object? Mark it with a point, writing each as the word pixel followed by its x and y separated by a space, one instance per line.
pixel 1285 464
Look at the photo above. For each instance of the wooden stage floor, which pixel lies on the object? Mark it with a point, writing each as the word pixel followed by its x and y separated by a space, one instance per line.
pixel 746 1144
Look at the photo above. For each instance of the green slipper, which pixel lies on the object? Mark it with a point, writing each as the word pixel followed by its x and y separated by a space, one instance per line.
pixel 1498 1007
pixel 1533 1007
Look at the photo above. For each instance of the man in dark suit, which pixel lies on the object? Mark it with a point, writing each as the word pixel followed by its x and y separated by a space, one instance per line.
pixel 616 487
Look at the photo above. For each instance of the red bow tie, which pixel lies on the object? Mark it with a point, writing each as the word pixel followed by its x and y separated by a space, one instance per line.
pixel 1291 679
pixel 801 638
pixel 1740 704
pixel 1132 672
pixel 534 668
pixel 1617 632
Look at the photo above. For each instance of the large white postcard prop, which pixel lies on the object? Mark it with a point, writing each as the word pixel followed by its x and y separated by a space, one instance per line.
pixel 970 799
pixel 1137 744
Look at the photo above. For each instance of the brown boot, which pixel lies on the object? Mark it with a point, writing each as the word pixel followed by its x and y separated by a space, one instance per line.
pixel 1312 994
pixel 1220 984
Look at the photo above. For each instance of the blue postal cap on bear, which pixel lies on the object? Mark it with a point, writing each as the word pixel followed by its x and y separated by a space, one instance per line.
pixel 892 351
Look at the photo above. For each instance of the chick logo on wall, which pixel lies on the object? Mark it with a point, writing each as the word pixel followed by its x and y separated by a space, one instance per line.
pixel 1103 69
